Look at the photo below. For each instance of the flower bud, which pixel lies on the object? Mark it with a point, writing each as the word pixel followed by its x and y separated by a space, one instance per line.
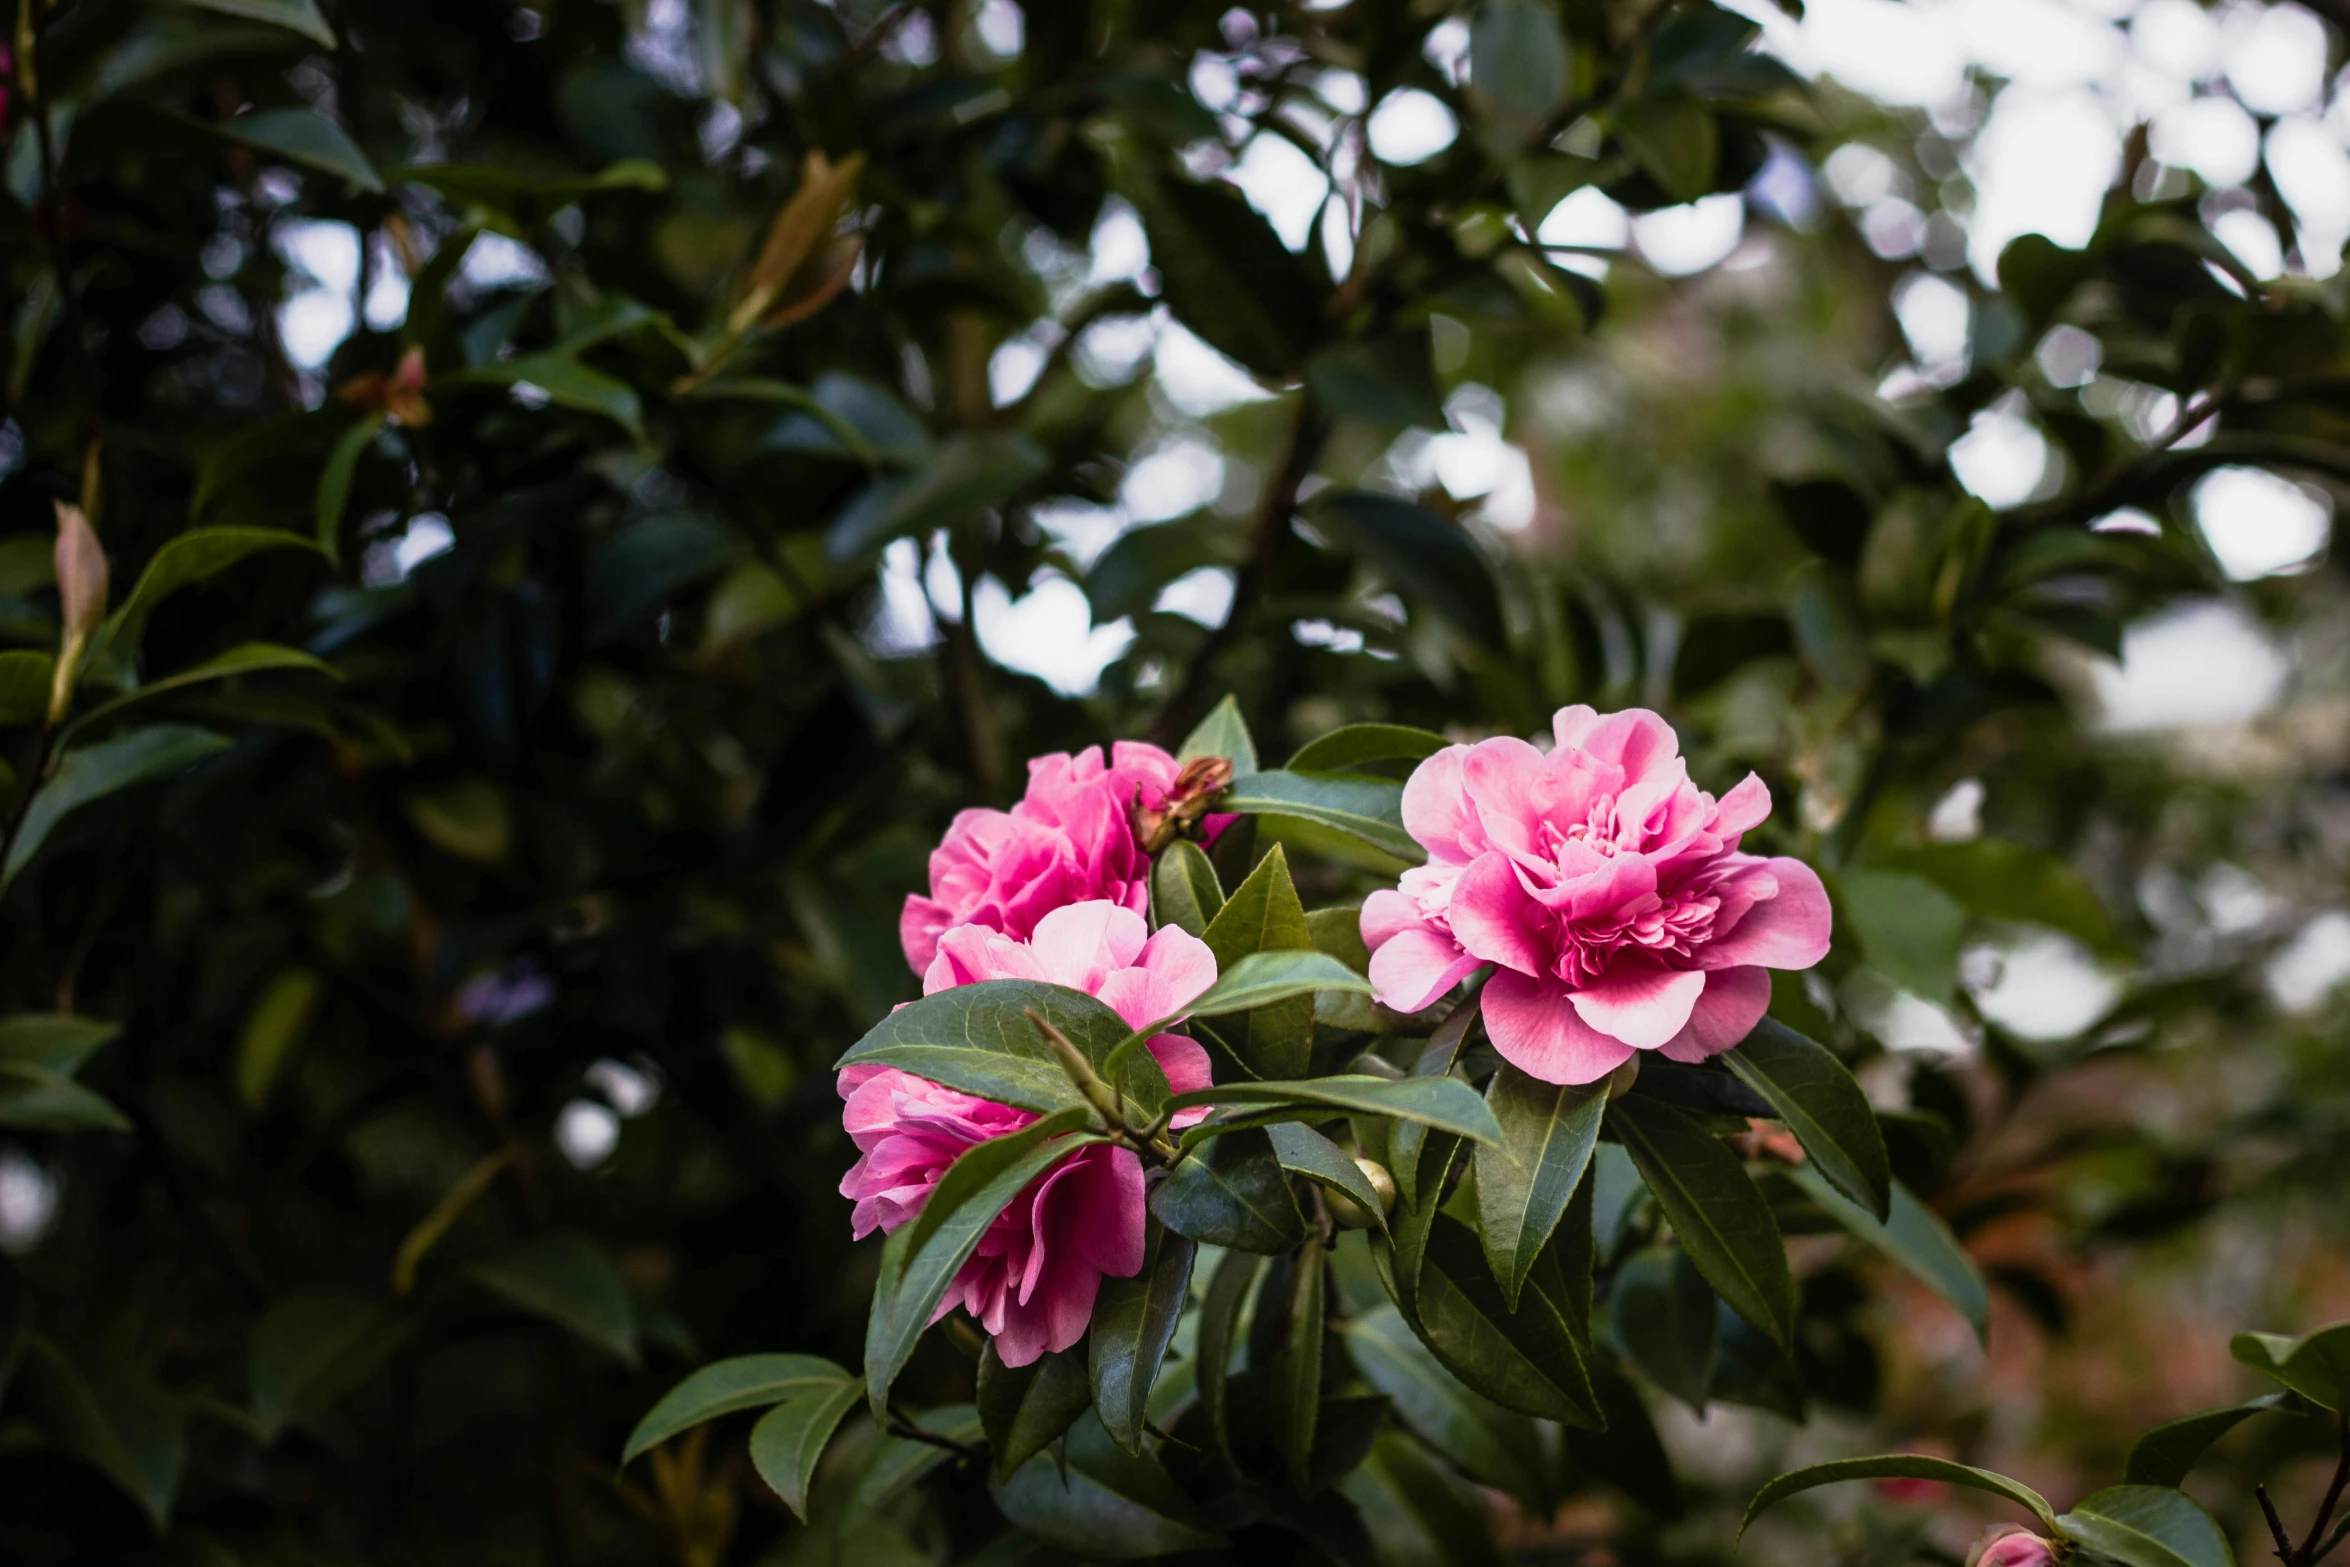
pixel 2010 1545
pixel 1381 1182
pixel 81 596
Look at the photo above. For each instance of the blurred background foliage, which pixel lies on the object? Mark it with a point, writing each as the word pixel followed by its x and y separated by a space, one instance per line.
pixel 701 448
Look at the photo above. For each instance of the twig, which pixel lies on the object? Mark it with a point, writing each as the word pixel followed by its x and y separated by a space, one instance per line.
pixel 2325 1510
pixel 2276 1526
pixel 1303 448
pixel 899 1425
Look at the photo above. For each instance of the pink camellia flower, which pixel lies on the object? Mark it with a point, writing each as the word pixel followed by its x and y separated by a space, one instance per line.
pixel 1606 890
pixel 1069 840
pixel 1031 1283
pixel 2010 1545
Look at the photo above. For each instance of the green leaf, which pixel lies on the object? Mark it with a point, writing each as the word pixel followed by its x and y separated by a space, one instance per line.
pixel 1901 1466
pixel 568 384
pixel 249 659
pixel 1228 278
pixel 1717 1214
pixel 1264 915
pixel 1818 1100
pixel 1222 733
pixel 1517 70
pixel 1525 1180
pixel 1387 380
pixel 1436 1061
pixel 272 1029
pixel 57 1041
pixel 96 771
pixel 1364 807
pixel 1356 744
pixel 1339 932
pixel 1673 137
pixel 1419 1510
pixel 310 1349
pixel 334 480
pixel 563 1278
pixel 1444 1103
pixel 744 1382
pixel 966 474
pixel 183 561
pixel 923 1257
pixel 898 1463
pixel 1663 1316
pixel 305 137
pixel 1024 1409
pixel 301 16
pixel 1304 1151
pixel 790 1438
pixel 2316 1366
pixel 1219 1316
pixel 35 1099
pixel 1497 1446
pixel 1133 1322
pixel 2164 1455
pixel 2147 1526
pixel 1628 1455
pixel 1231 1193
pixel 1263 978
pixel 25 676
pixel 1910 928
pixel 1108 1505
pixel 1423 555
pixel 1527 1359
pixel 1414 1217
pixel 1184 890
pixel 1998 879
pixel 111 1414
pixel 979 1039
pixel 1297 1371
pixel 1914 1237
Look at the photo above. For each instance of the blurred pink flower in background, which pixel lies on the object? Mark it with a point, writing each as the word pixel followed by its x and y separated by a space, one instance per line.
pixel 1070 839
pixel 2010 1545
pixel 1606 890
pixel 1031 1283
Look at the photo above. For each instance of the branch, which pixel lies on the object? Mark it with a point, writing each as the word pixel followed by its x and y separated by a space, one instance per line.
pixel 2276 1526
pixel 2325 1510
pixel 1307 432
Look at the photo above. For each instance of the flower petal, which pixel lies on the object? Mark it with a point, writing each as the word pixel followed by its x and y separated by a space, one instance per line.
pixel 1789 930
pixel 1436 810
pixel 1536 1029
pixel 1642 1006
pixel 1735 1000
pixel 1413 967
pixel 1493 918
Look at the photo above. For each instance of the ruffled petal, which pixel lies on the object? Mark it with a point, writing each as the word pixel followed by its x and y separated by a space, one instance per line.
pixel 1534 1026
pixel 1789 930
pixel 1413 967
pixel 1642 1006
pixel 1493 918
pixel 1735 1000
pixel 1436 811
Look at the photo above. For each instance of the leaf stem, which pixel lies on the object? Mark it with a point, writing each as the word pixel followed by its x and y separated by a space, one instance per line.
pixel 2276 1526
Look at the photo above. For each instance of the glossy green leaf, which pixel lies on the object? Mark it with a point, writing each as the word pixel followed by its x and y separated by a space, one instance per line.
pixel 1386 380
pixel 112 1415
pixel 1436 1060
pixel 2164 1455
pixel 1263 915
pixel 899 1463
pixel 1224 733
pixel 1901 1466
pixel 1910 928
pixel 1525 1359
pixel 1356 744
pixel 1662 1315
pixel 58 1041
pixel 1674 139
pixel 1817 1099
pixel 1414 1217
pixel 2316 1365
pixel 252 658
pixel 964 475
pixel 334 480
pixel 1444 1103
pixel 300 16
pixel 1717 1214
pixel 1427 558
pixel 923 1257
pixel 25 675
pixel 2147 1526
pixel 1133 1323
pixel 1367 808
pixel 1297 1371
pixel 35 1099
pixel 1999 879
pixel 1264 978
pixel 980 1039
pixel 565 1279
pixel 1304 1151
pixel 567 383
pixel 1497 1446
pixel 743 1382
pixel 1233 1193
pixel 1915 1237
pixel 1420 1511
pixel 1517 69
pixel 1024 1409
pixel 182 561
pixel 1184 890
pixel 791 1437
pixel 307 138
pixel 310 1349
pixel 1227 276
pixel 93 772
pixel 1108 1505
pixel 1526 1178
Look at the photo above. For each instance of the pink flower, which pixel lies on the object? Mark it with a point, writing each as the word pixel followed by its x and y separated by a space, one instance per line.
pixel 2010 1545
pixel 1605 888
pixel 1031 1283
pixel 1067 841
